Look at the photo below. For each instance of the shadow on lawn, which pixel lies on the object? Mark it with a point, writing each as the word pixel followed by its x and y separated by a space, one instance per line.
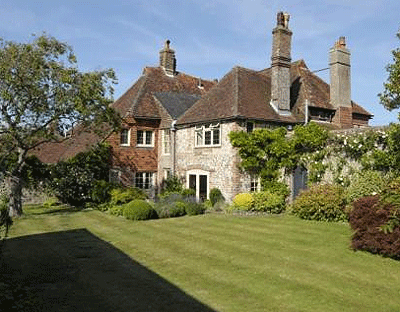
pixel 76 271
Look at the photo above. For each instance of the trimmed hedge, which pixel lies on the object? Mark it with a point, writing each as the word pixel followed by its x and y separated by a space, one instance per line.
pixel 139 210
pixel 375 223
pixel 120 196
pixel 321 203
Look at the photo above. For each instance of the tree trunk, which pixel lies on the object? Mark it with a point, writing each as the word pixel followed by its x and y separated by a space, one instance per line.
pixel 15 205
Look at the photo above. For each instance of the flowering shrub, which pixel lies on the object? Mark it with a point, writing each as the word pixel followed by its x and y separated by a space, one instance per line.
pixel 365 183
pixel 321 203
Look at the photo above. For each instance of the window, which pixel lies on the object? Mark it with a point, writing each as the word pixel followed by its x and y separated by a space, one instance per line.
pixel 167 173
pixel 144 180
pixel 249 127
pixel 145 138
pixel 208 135
pixel 125 137
pixel 254 183
pixel 166 142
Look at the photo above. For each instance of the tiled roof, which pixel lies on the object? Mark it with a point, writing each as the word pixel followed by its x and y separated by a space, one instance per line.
pixel 65 148
pixel 245 93
pixel 139 100
pixel 176 103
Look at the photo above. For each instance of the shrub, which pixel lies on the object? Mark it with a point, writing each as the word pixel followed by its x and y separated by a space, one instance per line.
pixel 120 196
pixel 139 209
pixel 51 202
pixel 242 201
pixel 376 226
pixel 193 208
pixel 188 192
pixel 170 210
pixel 278 188
pixel 269 202
pixel 5 219
pixel 101 191
pixel 321 203
pixel 364 183
pixel 172 184
pixel 116 210
pixel 216 196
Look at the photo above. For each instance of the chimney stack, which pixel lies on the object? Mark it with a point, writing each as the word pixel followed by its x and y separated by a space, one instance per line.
pixel 280 67
pixel 167 59
pixel 340 86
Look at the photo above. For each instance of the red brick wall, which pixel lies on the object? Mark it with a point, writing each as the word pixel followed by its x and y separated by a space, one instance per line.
pixel 132 157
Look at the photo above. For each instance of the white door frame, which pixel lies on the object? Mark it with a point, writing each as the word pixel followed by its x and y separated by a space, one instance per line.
pixel 198 173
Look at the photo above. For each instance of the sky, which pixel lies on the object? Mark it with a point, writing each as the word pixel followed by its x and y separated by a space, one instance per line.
pixel 210 37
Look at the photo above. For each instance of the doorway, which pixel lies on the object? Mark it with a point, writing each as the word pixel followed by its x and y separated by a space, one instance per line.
pixel 198 180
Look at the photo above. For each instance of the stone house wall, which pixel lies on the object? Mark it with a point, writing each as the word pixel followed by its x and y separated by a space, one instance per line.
pixel 219 162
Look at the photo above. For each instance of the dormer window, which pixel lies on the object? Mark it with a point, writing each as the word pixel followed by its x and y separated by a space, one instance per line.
pixel 125 137
pixel 208 135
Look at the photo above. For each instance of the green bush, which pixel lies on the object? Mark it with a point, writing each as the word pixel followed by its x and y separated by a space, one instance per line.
pixel 51 202
pixel 139 209
pixel 216 196
pixel 188 192
pixel 243 201
pixel 193 208
pixel 365 183
pixel 268 202
pixel 278 188
pixel 101 191
pixel 120 196
pixel 5 219
pixel 116 210
pixel 172 184
pixel 321 203
pixel 170 210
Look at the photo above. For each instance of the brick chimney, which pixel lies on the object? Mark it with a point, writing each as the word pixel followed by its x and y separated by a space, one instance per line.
pixel 340 86
pixel 167 59
pixel 280 67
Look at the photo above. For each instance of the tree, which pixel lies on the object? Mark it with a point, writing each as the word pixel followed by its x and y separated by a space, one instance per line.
pixel 390 98
pixel 42 94
pixel 264 151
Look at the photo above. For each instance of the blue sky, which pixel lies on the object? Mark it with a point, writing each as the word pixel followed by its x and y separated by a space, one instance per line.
pixel 211 37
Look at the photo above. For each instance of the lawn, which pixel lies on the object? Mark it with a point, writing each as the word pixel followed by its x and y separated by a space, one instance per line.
pixel 233 263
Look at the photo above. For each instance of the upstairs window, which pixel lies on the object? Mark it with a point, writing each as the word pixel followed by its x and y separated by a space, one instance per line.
pixel 208 135
pixel 144 180
pixel 145 138
pixel 125 137
pixel 166 142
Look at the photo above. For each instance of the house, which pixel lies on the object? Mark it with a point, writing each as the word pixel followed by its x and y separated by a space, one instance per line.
pixel 175 123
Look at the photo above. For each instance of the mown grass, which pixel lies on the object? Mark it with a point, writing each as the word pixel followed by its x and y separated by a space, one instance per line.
pixel 232 263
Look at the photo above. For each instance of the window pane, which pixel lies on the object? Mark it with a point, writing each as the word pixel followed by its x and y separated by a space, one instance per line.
pixel 199 138
pixel 139 137
pixel 124 136
pixel 149 135
pixel 216 137
pixel 207 137
pixel 139 180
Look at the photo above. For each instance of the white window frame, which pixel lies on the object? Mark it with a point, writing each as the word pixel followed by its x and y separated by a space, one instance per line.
pixel 166 142
pixel 167 173
pixel 128 137
pixel 255 180
pixel 201 131
pixel 146 178
pixel 144 138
